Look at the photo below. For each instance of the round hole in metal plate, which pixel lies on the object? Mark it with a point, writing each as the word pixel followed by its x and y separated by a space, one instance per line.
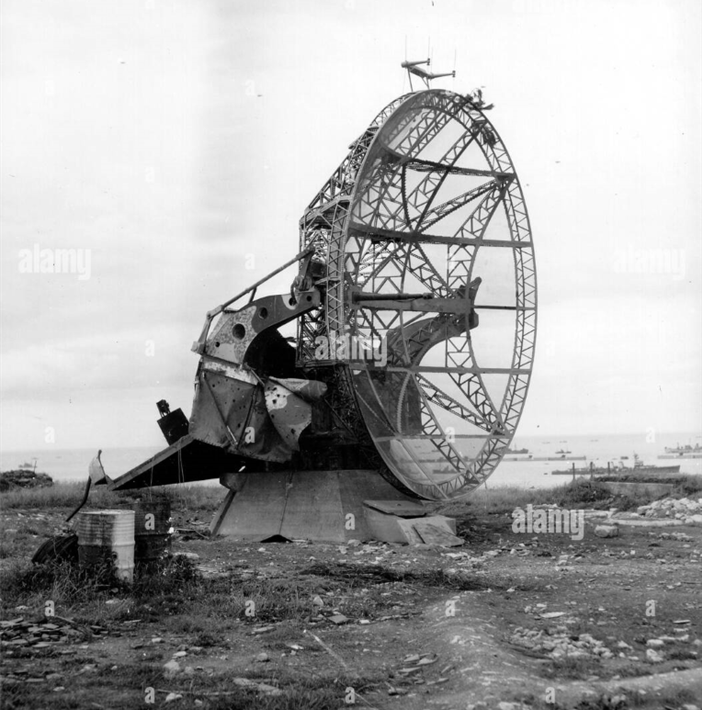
pixel 239 331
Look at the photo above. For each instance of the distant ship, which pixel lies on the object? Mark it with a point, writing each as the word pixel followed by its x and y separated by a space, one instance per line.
pixel 563 451
pixel 686 451
pixel 554 458
pixel 638 468
pixel 524 450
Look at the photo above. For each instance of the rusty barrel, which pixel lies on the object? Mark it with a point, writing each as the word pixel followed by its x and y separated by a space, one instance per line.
pixel 152 530
pixel 107 538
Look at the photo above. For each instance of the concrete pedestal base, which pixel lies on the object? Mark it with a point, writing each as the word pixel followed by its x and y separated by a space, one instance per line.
pixel 324 506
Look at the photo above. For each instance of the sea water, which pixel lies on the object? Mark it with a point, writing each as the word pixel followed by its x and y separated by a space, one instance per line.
pixel 72 464
pixel 599 449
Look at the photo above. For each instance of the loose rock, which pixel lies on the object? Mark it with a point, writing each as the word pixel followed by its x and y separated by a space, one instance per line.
pixel 605 531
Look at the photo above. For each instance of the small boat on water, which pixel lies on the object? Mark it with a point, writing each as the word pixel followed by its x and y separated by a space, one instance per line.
pixel 523 450
pixel 29 466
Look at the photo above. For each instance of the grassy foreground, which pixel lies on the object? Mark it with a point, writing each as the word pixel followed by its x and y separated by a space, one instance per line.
pixel 250 626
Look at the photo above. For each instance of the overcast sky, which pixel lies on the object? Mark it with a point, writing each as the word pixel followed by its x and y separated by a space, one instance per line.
pixel 173 141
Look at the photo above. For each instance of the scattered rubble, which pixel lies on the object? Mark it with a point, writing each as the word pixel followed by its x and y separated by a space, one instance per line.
pixel 653 656
pixel 671 536
pixel 415 663
pixel 558 643
pixel 687 510
pixel 51 630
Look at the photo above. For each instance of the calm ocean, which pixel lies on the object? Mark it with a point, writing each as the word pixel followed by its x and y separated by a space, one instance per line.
pixel 72 464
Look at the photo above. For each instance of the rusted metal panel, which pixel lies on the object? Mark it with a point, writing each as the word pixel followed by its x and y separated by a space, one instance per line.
pixel 261 420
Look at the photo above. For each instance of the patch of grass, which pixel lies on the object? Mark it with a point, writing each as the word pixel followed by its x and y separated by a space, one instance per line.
pixel 60 495
pixel 120 688
pixel 125 687
pixel 196 604
pixel 190 497
pixel 177 576
pixel 197 497
pixel 207 638
pixel 179 589
pixel 69 585
pixel 29 530
pixel 319 690
pixel 574 667
pixel 69 494
pixel 682 653
pixel 584 493
pixel 626 503
pixel 606 702
pixel 638 700
pixel 254 601
pixel 687 486
pixel 506 499
pixel 364 575
pixel 63 582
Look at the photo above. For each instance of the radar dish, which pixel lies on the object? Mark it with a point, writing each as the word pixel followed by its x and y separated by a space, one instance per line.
pixel 429 290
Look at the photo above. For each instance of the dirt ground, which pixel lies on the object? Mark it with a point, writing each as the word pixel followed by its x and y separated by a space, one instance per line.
pixel 506 621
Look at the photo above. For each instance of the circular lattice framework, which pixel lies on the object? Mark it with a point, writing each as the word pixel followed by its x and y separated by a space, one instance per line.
pixel 430 290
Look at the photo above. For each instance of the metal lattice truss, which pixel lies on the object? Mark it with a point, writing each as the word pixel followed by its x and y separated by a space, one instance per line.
pixel 430 274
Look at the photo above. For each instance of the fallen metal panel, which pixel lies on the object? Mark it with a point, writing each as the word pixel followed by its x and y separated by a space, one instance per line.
pixel 186 460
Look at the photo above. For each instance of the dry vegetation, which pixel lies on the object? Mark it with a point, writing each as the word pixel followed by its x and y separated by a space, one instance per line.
pixel 392 598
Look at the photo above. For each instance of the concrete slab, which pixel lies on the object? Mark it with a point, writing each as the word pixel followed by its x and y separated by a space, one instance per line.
pixel 387 527
pixel 313 508
pixel 397 507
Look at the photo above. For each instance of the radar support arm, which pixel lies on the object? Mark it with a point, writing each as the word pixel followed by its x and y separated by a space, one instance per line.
pixel 199 345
